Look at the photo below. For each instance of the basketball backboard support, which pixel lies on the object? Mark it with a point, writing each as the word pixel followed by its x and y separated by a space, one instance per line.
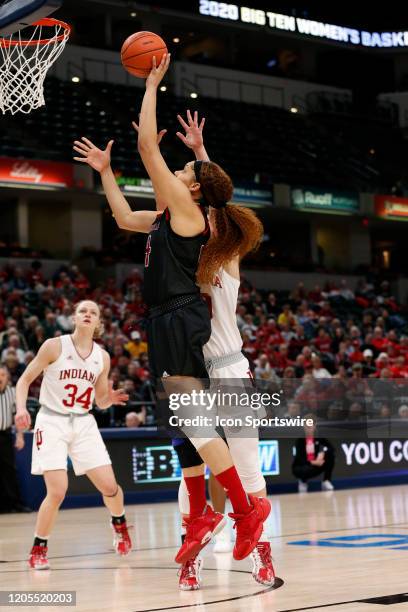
pixel 18 14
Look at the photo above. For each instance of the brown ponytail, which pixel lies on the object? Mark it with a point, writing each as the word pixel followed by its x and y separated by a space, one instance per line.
pixel 237 229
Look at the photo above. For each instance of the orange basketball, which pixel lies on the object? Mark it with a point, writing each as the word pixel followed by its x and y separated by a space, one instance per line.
pixel 138 50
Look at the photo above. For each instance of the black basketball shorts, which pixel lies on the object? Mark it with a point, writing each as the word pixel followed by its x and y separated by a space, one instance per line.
pixel 176 340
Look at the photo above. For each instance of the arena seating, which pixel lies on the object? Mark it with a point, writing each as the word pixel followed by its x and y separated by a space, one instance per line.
pixel 271 144
pixel 291 339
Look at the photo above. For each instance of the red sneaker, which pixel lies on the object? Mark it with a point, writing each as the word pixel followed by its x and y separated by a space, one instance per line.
pixel 121 539
pixel 249 526
pixel 262 570
pixel 38 558
pixel 199 532
pixel 190 574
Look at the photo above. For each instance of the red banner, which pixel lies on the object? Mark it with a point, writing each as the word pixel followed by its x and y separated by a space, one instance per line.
pixel 391 206
pixel 36 172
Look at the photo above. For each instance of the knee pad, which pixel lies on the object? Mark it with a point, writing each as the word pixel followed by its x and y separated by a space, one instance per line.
pixel 186 453
pixel 245 456
pixel 252 481
pixel 183 499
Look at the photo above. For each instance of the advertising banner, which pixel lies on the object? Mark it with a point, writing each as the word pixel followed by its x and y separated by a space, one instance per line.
pixel 36 172
pixel 316 199
pixel 309 28
pixel 391 207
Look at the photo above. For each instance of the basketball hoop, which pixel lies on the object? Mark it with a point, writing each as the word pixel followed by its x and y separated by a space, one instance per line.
pixel 24 64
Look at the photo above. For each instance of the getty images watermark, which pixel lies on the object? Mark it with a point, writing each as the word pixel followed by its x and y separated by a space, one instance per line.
pixel 376 408
pixel 231 409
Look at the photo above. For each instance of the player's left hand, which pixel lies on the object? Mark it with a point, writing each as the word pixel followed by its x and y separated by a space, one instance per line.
pixel 193 139
pixel 159 135
pixel 118 397
pixel 157 72
pixel 22 420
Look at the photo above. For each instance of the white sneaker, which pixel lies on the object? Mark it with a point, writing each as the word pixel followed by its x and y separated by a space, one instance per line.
pixel 222 541
pixel 302 487
pixel 190 574
pixel 327 486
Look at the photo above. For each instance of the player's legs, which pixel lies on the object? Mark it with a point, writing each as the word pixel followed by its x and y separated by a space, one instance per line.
pixel 89 456
pixel 245 454
pixel 103 478
pixel 217 493
pixel 56 482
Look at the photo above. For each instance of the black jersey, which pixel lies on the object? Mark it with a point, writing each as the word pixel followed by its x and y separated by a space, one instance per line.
pixel 171 261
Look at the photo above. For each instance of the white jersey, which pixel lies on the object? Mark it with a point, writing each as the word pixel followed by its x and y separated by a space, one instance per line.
pixel 225 337
pixel 68 384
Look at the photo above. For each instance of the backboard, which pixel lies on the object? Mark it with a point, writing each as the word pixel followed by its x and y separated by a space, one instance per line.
pixel 18 14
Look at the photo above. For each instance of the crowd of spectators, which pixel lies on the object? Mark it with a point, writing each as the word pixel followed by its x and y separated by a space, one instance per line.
pixel 34 308
pixel 336 352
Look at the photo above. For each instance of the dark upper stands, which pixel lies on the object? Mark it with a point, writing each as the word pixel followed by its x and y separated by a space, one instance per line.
pixel 319 148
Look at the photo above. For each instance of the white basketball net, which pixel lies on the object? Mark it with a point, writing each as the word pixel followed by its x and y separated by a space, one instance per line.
pixel 24 63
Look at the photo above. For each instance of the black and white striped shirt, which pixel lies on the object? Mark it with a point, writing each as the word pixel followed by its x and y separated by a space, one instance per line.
pixel 7 407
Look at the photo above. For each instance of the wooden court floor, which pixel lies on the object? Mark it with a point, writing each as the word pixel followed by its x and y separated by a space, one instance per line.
pixel 342 551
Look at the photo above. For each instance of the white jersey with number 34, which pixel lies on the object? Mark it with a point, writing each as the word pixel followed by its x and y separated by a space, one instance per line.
pixel 68 384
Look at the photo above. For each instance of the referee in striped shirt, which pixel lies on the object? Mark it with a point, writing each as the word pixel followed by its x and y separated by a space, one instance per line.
pixel 9 493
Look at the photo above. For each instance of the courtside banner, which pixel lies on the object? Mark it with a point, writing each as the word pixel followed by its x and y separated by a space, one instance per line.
pixel 320 200
pixel 391 207
pixel 36 172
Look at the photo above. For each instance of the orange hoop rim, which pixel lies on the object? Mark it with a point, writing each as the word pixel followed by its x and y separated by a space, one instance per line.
pixel 47 21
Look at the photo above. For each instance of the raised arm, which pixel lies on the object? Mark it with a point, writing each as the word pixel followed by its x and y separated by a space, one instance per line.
pixel 105 396
pixel 138 221
pixel 165 184
pixel 161 203
pixel 193 137
pixel 48 353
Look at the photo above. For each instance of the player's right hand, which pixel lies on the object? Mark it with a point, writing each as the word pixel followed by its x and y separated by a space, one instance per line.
pixel 23 420
pixel 96 158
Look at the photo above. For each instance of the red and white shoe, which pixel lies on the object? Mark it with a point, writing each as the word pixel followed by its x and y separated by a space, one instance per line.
pixel 249 526
pixel 262 570
pixel 190 574
pixel 199 532
pixel 38 558
pixel 121 539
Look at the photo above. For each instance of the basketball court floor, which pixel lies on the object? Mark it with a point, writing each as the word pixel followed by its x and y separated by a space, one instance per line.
pixel 344 551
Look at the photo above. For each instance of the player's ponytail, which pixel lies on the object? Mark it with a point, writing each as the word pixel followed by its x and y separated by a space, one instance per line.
pixel 237 229
pixel 99 331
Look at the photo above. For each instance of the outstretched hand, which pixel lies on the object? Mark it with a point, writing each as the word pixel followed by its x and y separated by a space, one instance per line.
pixel 157 72
pixel 118 397
pixel 193 138
pixel 96 158
pixel 159 135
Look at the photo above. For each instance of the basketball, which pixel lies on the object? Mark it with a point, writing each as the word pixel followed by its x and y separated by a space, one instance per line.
pixel 138 51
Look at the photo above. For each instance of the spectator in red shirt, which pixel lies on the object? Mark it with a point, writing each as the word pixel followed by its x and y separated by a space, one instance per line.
pixel 297 342
pixel 399 369
pixel 378 341
pixel 323 342
pixel 273 333
pixel 280 359
pixel 356 356
pixel 381 363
